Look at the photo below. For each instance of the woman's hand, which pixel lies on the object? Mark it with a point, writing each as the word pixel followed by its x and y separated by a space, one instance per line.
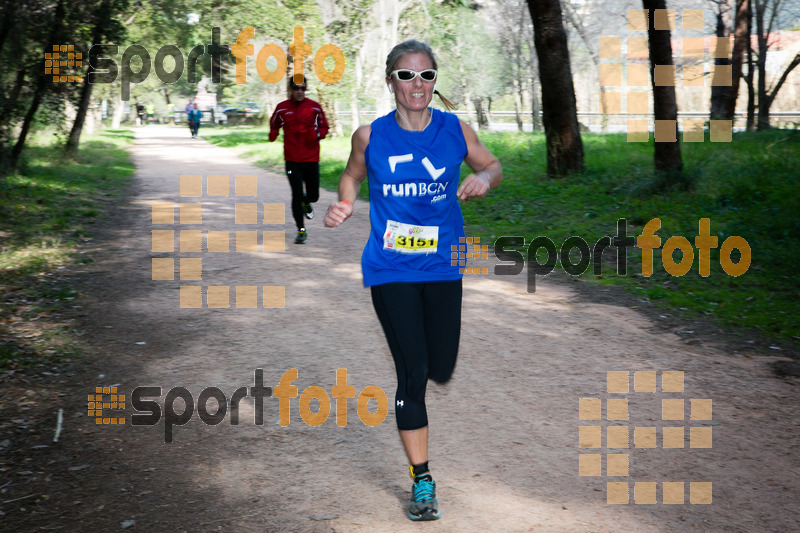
pixel 337 213
pixel 350 182
pixel 474 186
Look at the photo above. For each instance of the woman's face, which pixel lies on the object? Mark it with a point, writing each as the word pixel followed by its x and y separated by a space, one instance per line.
pixel 414 95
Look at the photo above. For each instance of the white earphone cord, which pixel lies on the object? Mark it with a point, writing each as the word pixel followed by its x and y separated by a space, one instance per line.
pixel 410 127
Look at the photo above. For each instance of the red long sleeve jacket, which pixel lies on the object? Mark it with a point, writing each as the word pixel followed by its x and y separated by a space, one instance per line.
pixel 303 124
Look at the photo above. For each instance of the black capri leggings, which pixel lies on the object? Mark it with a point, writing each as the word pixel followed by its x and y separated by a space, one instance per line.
pixel 422 323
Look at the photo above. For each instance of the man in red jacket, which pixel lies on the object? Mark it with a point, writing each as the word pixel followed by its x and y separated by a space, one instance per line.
pixel 303 125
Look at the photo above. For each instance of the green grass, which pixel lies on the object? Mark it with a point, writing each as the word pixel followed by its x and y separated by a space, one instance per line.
pixel 249 142
pixel 747 188
pixel 45 208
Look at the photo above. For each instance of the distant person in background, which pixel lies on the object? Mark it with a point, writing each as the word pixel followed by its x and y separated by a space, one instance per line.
pixel 304 125
pixel 188 111
pixel 151 111
pixel 140 113
pixel 195 115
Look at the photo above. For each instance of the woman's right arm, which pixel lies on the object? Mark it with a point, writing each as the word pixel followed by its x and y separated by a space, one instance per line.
pixel 350 182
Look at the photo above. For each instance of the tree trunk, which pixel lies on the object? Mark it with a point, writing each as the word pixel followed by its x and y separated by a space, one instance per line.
pixel 387 39
pixel 761 66
pixel 465 94
pixel 26 124
pixel 330 111
pixel 741 42
pixel 71 147
pixel 751 90
pixel 13 98
pixel 92 118
pixel 9 16
pixel 577 23
pixel 536 109
pixel 471 120
pixel 119 109
pixel 518 70
pixel 719 94
pixel 338 129
pixel 517 104
pixel 764 107
pixel 751 106
pixel 564 144
pixel 667 155
pixel 789 68
pixel 764 103
pixel 355 120
pixel 765 97
pixel 171 110
pixel 479 111
pixel 762 36
pixel 41 86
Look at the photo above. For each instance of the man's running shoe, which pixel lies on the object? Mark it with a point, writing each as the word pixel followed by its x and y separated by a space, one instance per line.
pixel 301 237
pixel 309 210
pixel 424 505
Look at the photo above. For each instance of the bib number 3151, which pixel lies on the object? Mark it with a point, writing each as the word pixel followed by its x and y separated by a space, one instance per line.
pixel 410 238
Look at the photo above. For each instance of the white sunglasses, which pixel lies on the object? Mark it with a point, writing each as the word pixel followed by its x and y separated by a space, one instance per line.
pixel 406 74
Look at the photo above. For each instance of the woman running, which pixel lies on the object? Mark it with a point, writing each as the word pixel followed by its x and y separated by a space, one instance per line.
pixel 413 157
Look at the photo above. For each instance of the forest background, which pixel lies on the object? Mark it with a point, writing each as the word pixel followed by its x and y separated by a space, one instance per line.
pixel 53 182
pixel 485 48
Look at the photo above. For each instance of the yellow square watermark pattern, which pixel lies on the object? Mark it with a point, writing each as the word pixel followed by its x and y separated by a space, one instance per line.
pixel 193 244
pixel 617 464
pixel 590 464
pixel 603 433
pixel 460 253
pixel 61 63
pixel 694 70
pixel 105 398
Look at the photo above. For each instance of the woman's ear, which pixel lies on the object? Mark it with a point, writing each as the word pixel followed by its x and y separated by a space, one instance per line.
pixel 390 89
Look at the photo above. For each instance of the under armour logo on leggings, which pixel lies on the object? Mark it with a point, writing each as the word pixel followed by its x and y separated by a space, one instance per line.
pixel 399 403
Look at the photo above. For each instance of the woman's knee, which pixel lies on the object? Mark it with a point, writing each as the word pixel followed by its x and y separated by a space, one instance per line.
pixel 441 376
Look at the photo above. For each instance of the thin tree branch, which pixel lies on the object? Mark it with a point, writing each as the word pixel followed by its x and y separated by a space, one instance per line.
pixel 796 61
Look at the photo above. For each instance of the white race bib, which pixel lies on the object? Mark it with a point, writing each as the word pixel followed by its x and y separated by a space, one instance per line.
pixel 410 238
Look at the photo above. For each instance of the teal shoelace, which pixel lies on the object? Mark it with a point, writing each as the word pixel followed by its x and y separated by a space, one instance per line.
pixel 423 490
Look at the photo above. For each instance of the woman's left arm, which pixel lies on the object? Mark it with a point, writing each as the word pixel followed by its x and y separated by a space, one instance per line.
pixel 487 172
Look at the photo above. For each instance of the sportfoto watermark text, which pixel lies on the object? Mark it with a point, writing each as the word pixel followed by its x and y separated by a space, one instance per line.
pixel 507 249
pixel 105 70
pixel 149 412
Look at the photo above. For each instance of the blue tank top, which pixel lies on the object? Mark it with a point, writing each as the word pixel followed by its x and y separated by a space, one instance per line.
pixel 414 210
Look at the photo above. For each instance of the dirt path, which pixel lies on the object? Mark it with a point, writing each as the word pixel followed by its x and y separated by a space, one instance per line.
pixel 504 431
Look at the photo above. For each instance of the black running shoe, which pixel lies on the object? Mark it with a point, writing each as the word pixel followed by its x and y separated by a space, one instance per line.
pixel 424 505
pixel 309 210
pixel 301 237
